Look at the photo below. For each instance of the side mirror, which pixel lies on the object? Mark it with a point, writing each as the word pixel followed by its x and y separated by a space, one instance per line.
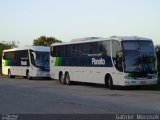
pixel 118 61
pixel 119 54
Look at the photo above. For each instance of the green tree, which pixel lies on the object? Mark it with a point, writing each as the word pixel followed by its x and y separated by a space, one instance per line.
pixel 45 41
pixel 6 45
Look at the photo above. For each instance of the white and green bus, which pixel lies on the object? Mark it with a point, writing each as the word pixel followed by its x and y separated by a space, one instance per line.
pixel 114 61
pixel 28 61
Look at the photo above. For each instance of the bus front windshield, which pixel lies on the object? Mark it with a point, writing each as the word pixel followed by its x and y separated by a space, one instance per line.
pixel 40 59
pixel 139 57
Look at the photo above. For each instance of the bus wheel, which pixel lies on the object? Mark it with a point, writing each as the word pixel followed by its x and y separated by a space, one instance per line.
pixel 28 76
pixel 110 83
pixel 67 79
pixel 9 74
pixel 61 80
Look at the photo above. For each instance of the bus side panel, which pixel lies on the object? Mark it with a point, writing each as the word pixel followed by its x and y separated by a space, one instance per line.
pixel 53 71
pixel 82 74
pixel 85 73
pixel 89 74
pixel 5 70
pixel 17 67
pixel 5 67
pixel 18 70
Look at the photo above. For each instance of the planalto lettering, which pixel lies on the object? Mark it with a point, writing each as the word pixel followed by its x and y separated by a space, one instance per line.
pixel 100 61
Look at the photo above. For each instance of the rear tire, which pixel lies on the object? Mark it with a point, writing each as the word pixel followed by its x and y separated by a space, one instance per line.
pixel 61 78
pixel 10 75
pixel 67 79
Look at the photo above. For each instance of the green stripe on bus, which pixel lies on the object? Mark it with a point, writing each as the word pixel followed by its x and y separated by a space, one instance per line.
pixel 58 61
pixel 6 63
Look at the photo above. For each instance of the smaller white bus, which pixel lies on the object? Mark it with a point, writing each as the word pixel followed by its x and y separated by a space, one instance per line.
pixel 28 61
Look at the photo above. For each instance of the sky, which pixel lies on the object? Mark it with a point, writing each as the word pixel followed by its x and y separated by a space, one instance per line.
pixel 26 20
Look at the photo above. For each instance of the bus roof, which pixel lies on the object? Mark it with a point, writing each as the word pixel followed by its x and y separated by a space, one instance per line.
pixel 35 48
pixel 96 39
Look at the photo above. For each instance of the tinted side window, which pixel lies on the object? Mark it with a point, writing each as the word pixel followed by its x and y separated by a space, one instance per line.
pixel 80 49
pixel 21 54
pixel 25 52
pixel 69 50
pixel 54 51
pixel 9 55
pixel 18 55
pixel 95 48
pixel 57 51
pixel 62 51
pixel 85 49
pixel 105 48
pixel 76 50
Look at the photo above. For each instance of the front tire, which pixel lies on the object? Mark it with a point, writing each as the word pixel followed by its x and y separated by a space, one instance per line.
pixel 111 86
pixel 109 82
pixel 28 75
